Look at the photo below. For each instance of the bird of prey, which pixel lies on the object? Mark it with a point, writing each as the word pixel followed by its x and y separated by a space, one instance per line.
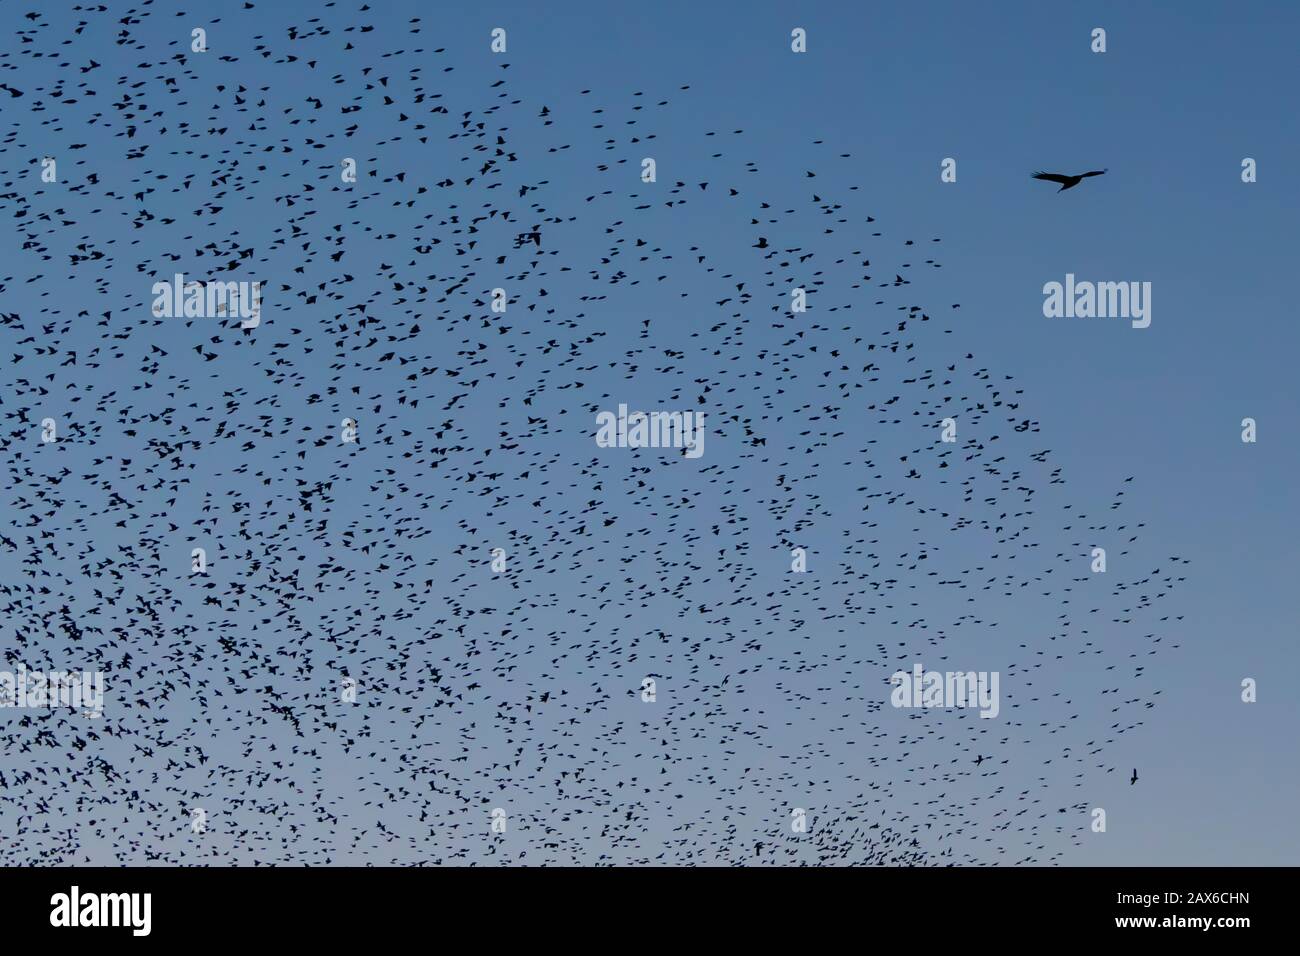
pixel 1067 182
pixel 1135 777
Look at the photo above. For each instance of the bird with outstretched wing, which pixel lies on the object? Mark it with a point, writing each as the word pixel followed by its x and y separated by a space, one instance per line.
pixel 1067 182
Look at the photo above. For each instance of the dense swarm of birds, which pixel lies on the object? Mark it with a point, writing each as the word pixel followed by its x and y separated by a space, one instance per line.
pixel 521 689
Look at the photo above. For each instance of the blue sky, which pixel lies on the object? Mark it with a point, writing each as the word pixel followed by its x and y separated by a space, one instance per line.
pixel 1183 93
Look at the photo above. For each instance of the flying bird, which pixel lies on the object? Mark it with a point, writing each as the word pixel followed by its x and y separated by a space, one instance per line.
pixel 1067 182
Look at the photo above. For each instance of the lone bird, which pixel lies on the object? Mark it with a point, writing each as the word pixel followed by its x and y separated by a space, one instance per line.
pixel 1135 777
pixel 1067 182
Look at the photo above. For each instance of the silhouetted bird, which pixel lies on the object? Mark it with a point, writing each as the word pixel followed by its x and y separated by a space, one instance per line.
pixel 1067 182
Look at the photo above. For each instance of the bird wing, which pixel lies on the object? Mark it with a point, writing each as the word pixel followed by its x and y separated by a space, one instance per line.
pixel 1095 172
pixel 1052 177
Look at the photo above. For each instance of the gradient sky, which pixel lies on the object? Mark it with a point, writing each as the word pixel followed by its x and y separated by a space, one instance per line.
pixel 1184 92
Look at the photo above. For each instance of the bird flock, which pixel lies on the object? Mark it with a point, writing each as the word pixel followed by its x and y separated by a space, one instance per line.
pixel 433 621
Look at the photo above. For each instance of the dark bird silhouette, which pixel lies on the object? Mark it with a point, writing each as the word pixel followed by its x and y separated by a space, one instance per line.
pixel 1067 182
pixel 1135 777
